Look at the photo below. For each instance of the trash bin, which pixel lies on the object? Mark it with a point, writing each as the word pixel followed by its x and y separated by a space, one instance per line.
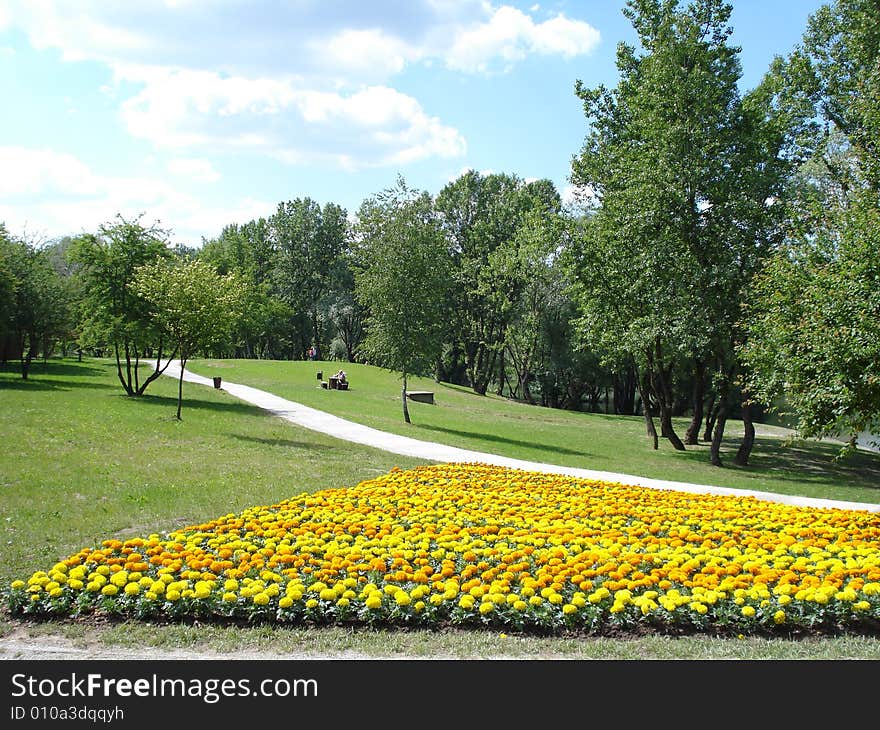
pixel 320 375
pixel 217 381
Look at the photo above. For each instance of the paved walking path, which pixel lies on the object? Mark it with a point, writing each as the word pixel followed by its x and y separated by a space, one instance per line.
pixel 341 428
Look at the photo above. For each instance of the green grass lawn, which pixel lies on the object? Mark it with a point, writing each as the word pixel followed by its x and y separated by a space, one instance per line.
pixel 81 463
pixel 611 443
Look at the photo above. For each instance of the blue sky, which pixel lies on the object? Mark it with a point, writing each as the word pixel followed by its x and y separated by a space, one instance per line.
pixel 199 113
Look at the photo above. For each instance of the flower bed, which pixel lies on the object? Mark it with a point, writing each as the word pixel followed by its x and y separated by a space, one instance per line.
pixel 481 545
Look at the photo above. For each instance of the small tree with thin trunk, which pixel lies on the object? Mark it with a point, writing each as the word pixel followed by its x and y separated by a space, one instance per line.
pixel 195 307
pixel 403 278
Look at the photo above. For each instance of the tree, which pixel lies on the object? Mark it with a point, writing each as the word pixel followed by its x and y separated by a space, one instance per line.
pixel 674 158
pixel 113 313
pixel 310 241
pixel 654 156
pixel 403 279
pixel 193 306
pixel 479 213
pixel 813 328
pixel 35 306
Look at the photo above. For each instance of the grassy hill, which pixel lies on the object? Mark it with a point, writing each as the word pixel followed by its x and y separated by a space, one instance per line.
pixel 602 442
pixel 81 463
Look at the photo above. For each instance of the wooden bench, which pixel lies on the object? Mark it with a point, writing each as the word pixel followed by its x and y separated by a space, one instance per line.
pixel 335 383
pixel 422 396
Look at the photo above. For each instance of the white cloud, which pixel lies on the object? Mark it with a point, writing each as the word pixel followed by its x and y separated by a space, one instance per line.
pixel 31 171
pixel 510 35
pixel 294 81
pixel 356 51
pixel 53 194
pixel 194 169
pixel 375 125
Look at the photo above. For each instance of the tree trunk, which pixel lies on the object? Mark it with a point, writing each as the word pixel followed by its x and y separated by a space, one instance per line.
pixel 718 434
pixel 711 415
pixel 745 448
pixel 403 396
pixel 691 436
pixel 644 394
pixel 319 355
pixel 158 370
pixel 502 375
pixel 27 356
pixel 119 369
pixel 663 392
pixel 180 388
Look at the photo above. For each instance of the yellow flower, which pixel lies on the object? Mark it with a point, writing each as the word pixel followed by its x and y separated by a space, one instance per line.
pixel 132 589
pixel 779 617
pixel 261 599
pixel 285 602
pixel 466 602
pixel 402 598
pixel 487 607
pixel 569 608
pixel 748 611
pixel 311 603
pixel 229 597
pixel 172 594
pixel 374 601
pixel 109 590
pixel 17 585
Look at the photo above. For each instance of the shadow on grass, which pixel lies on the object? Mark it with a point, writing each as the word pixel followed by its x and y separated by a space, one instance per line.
pixel 190 404
pixel 36 383
pixel 801 461
pixel 504 440
pixel 286 443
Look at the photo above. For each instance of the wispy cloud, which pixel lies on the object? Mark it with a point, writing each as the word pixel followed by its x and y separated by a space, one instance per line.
pixel 297 82
pixel 66 196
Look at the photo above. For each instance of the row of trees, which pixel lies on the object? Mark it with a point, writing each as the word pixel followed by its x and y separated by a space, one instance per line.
pixel 725 257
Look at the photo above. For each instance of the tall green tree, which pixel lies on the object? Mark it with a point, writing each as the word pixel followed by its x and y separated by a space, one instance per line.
pixel 194 307
pixel 310 241
pixel 672 157
pixel 35 306
pixel 655 157
pixel 113 312
pixel 813 328
pixel 479 214
pixel 403 279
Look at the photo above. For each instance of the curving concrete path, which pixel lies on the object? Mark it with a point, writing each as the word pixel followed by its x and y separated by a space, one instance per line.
pixel 341 428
